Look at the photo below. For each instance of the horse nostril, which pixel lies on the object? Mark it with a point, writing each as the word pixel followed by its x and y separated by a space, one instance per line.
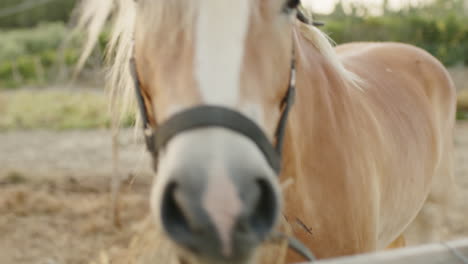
pixel 219 232
pixel 173 218
pixel 263 215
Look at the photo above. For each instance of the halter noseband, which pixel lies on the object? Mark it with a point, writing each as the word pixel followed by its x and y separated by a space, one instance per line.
pixel 216 116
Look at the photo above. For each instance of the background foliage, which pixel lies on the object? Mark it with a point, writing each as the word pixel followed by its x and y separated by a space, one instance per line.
pixel 32 56
pixel 36 47
pixel 440 28
pixel 31 41
pixel 53 11
pixel 33 52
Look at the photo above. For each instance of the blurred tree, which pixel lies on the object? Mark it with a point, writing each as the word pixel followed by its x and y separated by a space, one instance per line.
pixel 55 10
pixel 440 27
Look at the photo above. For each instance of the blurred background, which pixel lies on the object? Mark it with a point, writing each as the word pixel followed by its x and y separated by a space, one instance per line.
pixel 55 144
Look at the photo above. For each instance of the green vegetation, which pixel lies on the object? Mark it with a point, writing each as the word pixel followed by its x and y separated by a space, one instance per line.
pixel 36 56
pixel 462 113
pixel 32 53
pixel 43 38
pixel 32 33
pixel 55 109
pixel 52 11
pixel 28 109
pixel 440 28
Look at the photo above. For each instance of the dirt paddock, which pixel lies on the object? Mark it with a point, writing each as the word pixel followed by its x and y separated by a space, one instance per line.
pixel 54 196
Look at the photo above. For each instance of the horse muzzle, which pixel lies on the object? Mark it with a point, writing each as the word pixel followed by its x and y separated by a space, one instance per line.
pixel 219 203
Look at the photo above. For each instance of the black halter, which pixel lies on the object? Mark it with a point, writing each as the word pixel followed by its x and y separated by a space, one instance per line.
pixel 209 116
pixel 218 116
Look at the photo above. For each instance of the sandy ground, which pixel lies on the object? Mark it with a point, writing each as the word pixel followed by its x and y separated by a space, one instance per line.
pixel 55 198
pixel 54 195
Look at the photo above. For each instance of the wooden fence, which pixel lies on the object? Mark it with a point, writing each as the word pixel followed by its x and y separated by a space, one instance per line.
pixel 455 252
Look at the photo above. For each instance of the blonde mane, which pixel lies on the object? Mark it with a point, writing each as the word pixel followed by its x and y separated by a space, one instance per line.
pixel 324 45
pixel 93 16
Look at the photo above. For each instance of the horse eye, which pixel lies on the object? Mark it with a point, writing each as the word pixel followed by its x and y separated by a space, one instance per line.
pixel 292 4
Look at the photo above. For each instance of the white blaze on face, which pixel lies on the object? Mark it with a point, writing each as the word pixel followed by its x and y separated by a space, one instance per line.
pixel 221 31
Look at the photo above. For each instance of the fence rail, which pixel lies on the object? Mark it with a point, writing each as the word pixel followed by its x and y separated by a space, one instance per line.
pixel 454 252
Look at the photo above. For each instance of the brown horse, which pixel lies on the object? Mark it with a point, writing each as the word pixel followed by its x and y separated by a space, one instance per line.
pixel 369 133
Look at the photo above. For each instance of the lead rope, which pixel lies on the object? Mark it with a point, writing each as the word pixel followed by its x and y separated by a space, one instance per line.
pixel 301 249
pixel 295 245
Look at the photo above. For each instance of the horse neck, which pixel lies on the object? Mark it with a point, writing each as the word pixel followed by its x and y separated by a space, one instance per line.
pixel 324 154
pixel 326 132
pixel 323 132
pixel 322 103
